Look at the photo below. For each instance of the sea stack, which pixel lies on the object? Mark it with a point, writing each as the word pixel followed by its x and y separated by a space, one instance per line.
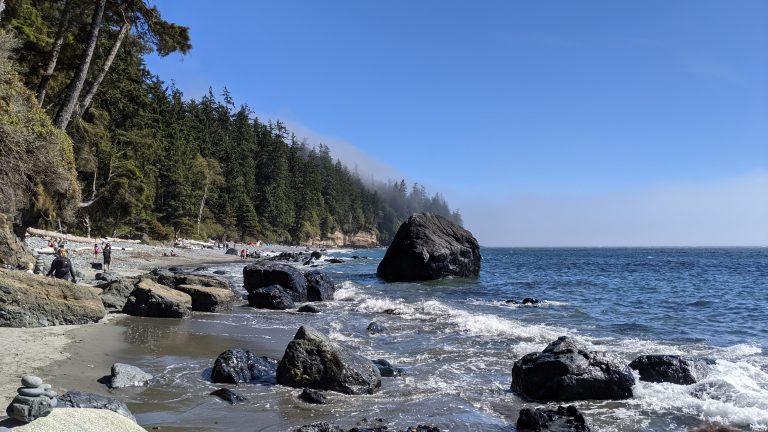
pixel 429 247
pixel 35 399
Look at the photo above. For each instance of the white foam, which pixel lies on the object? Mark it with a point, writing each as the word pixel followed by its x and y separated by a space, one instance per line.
pixel 346 291
pixel 734 393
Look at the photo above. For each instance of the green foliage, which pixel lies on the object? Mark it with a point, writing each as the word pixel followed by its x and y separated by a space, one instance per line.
pixel 152 162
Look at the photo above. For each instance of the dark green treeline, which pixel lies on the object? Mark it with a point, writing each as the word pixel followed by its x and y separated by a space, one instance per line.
pixel 150 161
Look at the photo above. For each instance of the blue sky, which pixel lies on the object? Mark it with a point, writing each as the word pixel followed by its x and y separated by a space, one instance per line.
pixel 570 112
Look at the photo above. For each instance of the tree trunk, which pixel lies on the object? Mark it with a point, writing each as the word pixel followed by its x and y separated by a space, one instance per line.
pixel 63 23
pixel 83 106
pixel 2 8
pixel 76 86
pixel 202 202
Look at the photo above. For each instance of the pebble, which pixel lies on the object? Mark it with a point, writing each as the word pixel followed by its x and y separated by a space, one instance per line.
pixel 31 392
pixel 31 381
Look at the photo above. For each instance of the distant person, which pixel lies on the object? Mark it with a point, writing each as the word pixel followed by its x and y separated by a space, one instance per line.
pixel 96 250
pixel 61 267
pixel 242 253
pixel 173 253
pixel 107 254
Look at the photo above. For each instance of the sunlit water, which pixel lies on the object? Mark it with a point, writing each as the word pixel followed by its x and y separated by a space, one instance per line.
pixel 458 339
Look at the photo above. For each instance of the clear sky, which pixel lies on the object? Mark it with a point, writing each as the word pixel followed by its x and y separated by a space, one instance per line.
pixel 558 123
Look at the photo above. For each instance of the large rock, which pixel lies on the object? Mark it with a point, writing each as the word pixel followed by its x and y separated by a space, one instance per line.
pixel 151 299
pixel 125 375
pixel 272 297
pixel 669 368
pixel 228 395
pixel 78 399
pixel 114 294
pixel 29 408
pixel 81 420
pixel 428 247
pixel 260 275
pixel 238 365
pixel 13 252
pixel 174 280
pixel 107 276
pixel 209 299
pixel 566 372
pixel 320 286
pixel 563 419
pixel 28 300
pixel 312 360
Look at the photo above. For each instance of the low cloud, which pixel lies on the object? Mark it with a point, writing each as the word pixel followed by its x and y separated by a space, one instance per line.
pixel 729 212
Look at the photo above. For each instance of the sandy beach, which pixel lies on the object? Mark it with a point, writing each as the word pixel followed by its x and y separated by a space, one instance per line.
pixel 34 350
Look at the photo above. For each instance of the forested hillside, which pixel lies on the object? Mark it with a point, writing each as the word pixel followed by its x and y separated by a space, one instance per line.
pixel 150 161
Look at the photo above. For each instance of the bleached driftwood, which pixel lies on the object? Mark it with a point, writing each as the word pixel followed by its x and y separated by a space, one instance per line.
pixel 76 239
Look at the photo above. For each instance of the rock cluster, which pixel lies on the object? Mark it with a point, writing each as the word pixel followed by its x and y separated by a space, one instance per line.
pixel 35 399
pixel 428 247
pixel 313 360
pixel 566 372
pixel 279 286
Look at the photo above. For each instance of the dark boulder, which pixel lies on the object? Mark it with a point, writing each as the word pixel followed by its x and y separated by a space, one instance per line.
pixel 669 368
pixel 375 328
pixel 320 286
pixel 219 272
pixel 566 372
pixel 174 280
pixel 232 251
pixel 422 428
pixel 387 370
pixel 563 419
pixel 107 277
pixel 312 396
pixel 366 425
pixel 335 261
pixel 237 365
pixel 312 360
pixel 315 255
pixel 260 275
pixel 151 299
pixel 78 399
pixel 308 309
pixel 114 294
pixel 428 247
pixel 228 395
pixel 531 301
pixel 271 297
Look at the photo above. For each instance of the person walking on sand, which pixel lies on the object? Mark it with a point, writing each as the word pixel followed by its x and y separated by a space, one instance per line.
pixel 96 251
pixel 242 253
pixel 107 254
pixel 61 267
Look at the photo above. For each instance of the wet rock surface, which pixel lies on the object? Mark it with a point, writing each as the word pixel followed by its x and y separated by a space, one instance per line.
pixel 562 419
pixel 238 365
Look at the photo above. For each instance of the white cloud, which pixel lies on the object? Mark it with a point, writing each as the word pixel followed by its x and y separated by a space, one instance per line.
pixel 729 212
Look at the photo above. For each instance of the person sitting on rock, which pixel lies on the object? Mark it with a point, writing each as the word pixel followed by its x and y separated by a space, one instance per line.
pixel 61 267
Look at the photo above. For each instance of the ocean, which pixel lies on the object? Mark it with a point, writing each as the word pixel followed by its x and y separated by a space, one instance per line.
pixel 457 340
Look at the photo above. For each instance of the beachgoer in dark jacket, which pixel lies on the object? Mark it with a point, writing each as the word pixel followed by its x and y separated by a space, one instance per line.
pixel 107 254
pixel 61 267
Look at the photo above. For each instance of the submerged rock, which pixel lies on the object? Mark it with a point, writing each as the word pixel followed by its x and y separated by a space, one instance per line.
pixel 319 427
pixel 563 419
pixel 312 360
pixel 386 369
pixel 566 372
pixel 375 328
pixel 428 247
pixel 669 368
pixel 312 396
pixel 308 309
pixel 228 395
pixel 237 365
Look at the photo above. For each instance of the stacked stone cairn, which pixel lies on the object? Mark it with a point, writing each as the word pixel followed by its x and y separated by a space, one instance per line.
pixel 34 400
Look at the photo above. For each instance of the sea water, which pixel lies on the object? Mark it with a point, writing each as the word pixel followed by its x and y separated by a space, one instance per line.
pixel 457 340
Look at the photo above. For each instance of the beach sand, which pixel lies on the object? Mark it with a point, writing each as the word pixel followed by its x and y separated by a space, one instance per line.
pixel 76 356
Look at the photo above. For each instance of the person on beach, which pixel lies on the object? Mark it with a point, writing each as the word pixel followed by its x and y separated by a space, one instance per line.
pixel 107 254
pixel 61 267
pixel 242 253
pixel 96 250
